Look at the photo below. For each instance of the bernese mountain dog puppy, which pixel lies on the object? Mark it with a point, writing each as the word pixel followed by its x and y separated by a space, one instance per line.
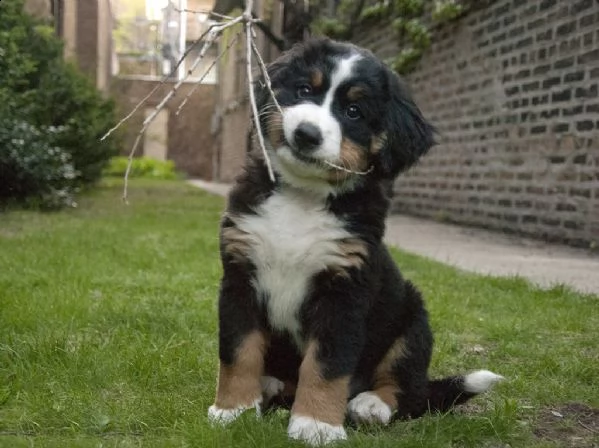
pixel 313 311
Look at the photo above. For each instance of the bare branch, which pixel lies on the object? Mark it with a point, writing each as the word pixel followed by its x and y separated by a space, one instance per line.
pixel 347 170
pixel 248 34
pixel 209 37
pixel 129 164
pixel 199 81
pixel 159 85
pixel 266 77
pixel 213 33
pixel 203 11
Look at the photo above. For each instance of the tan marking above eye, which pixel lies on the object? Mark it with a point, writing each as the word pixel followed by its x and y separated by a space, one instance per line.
pixel 355 93
pixel 317 79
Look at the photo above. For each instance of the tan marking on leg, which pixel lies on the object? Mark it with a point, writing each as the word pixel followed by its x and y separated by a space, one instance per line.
pixel 317 397
pixel 355 93
pixel 239 383
pixel 317 78
pixel 377 143
pixel 236 243
pixel 385 381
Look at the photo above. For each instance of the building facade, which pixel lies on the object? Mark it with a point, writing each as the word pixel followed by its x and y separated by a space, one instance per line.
pixel 513 88
pixel 86 27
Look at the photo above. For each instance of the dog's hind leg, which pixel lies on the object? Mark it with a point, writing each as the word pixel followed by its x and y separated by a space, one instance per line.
pixel 376 406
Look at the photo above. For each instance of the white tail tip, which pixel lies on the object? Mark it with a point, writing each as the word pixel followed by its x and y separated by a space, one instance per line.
pixel 480 381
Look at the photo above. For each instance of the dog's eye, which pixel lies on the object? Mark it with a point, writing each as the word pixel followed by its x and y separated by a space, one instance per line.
pixel 304 90
pixel 353 112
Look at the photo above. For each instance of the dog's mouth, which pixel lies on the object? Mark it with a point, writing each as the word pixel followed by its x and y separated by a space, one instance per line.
pixel 298 154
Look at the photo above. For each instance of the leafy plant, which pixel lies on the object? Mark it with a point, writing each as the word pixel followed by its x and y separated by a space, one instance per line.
pixel 51 117
pixel 447 10
pixel 31 168
pixel 410 19
pixel 331 27
pixel 143 167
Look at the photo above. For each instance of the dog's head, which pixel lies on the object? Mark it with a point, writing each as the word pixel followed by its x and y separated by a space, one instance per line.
pixel 345 115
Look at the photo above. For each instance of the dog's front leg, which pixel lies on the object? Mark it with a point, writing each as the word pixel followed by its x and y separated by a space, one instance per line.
pixel 334 346
pixel 242 345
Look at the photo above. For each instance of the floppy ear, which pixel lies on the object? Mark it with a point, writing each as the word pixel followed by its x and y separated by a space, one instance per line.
pixel 409 135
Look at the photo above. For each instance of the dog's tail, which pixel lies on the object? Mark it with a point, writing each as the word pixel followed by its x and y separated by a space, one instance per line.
pixel 447 392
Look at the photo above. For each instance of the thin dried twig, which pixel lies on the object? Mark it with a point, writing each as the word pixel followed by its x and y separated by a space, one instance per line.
pixel 248 34
pixel 203 11
pixel 199 81
pixel 213 33
pixel 209 37
pixel 163 81
pixel 347 170
pixel 266 77
pixel 588 428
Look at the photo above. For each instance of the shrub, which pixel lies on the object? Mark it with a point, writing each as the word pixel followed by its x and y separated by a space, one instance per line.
pixel 142 167
pixel 53 109
pixel 78 106
pixel 31 168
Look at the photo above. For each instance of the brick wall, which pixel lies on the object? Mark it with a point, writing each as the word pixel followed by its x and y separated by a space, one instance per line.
pixel 190 143
pixel 513 89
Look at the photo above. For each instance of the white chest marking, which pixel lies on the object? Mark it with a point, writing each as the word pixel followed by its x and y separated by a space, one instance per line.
pixel 292 239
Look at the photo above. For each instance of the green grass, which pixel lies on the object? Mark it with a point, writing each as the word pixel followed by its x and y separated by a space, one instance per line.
pixel 108 334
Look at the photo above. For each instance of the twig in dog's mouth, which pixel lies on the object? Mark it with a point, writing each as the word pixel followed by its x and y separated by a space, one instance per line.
pixel 313 161
pixel 347 170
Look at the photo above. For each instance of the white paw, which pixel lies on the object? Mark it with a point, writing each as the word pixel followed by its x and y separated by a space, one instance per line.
pixel 220 416
pixel 271 387
pixel 313 431
pixel 367 407
pixel 480 381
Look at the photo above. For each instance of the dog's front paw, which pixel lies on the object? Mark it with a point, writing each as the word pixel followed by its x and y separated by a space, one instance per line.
pixel 221 416
pixel 313 431
pixel 368 408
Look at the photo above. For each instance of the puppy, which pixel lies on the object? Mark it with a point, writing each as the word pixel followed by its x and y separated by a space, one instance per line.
pixel 313 312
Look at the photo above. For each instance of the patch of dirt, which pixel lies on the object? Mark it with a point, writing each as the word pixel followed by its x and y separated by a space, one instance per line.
pixel 573 425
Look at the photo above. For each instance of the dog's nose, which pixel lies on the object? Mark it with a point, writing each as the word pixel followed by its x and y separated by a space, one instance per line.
pixel 307 136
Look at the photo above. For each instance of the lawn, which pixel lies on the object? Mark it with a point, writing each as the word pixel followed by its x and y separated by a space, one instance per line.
pixel 108 337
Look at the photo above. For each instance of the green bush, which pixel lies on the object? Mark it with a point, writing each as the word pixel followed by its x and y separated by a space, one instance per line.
pixel 142 167
pixel 47 103
pixel 77 105
pixel 31 168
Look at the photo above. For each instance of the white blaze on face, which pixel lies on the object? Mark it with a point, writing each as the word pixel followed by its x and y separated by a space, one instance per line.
pixel 321 115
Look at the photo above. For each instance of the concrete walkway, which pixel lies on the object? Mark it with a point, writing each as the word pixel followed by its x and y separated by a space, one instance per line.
pixel 485 252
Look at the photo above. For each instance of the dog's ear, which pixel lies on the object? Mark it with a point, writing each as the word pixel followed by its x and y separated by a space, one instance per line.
pixel 409 135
